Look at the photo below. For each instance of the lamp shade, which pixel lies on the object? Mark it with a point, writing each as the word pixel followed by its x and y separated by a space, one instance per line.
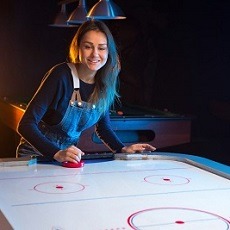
pixel 105 9
pixel 61 18
pixel 78 16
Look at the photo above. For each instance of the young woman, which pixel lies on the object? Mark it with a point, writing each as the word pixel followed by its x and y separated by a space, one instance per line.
pixel 74 96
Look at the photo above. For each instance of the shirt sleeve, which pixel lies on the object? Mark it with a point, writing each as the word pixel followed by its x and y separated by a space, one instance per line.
pixel 49 92
pixel 105 132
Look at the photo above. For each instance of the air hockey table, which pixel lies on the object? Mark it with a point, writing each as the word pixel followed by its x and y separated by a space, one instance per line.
pixel 161 191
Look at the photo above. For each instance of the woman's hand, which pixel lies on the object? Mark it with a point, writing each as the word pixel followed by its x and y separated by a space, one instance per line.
pixel 138 148
pixel 71 154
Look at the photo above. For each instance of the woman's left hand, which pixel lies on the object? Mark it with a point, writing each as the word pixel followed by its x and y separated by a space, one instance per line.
pixel 138 148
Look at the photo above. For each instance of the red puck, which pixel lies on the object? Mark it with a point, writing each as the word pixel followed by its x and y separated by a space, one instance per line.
pixel 68 164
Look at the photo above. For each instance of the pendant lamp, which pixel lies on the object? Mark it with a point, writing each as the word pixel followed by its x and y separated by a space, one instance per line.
pixel 106 9
pixel 78 16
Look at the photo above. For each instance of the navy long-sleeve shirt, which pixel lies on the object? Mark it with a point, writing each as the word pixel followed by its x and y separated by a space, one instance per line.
pixel 50 103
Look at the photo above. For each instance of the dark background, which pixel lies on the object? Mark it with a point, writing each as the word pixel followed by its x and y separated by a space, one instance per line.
pixel 174 55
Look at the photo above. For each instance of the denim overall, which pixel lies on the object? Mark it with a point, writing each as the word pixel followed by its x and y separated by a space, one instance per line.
pixel 79 116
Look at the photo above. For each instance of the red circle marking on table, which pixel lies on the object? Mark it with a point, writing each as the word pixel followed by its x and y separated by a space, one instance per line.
pixel 59 186
pixel 179 222
pixel 73 165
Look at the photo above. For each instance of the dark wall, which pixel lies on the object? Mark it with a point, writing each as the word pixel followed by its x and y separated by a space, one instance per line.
pixel 175 55
pixel 29 47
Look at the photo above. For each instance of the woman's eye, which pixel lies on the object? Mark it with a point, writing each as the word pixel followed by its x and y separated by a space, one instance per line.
pixel 88 47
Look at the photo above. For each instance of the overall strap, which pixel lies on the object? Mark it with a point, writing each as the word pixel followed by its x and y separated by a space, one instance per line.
pixel 76 81
pixel 76 84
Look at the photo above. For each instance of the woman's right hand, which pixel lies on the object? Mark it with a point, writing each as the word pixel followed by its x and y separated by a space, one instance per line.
pixel 71 154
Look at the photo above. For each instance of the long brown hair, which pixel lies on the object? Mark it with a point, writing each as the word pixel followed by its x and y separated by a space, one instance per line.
pixel 106 78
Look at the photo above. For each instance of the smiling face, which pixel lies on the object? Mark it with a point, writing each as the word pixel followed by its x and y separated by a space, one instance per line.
pixel 93 50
